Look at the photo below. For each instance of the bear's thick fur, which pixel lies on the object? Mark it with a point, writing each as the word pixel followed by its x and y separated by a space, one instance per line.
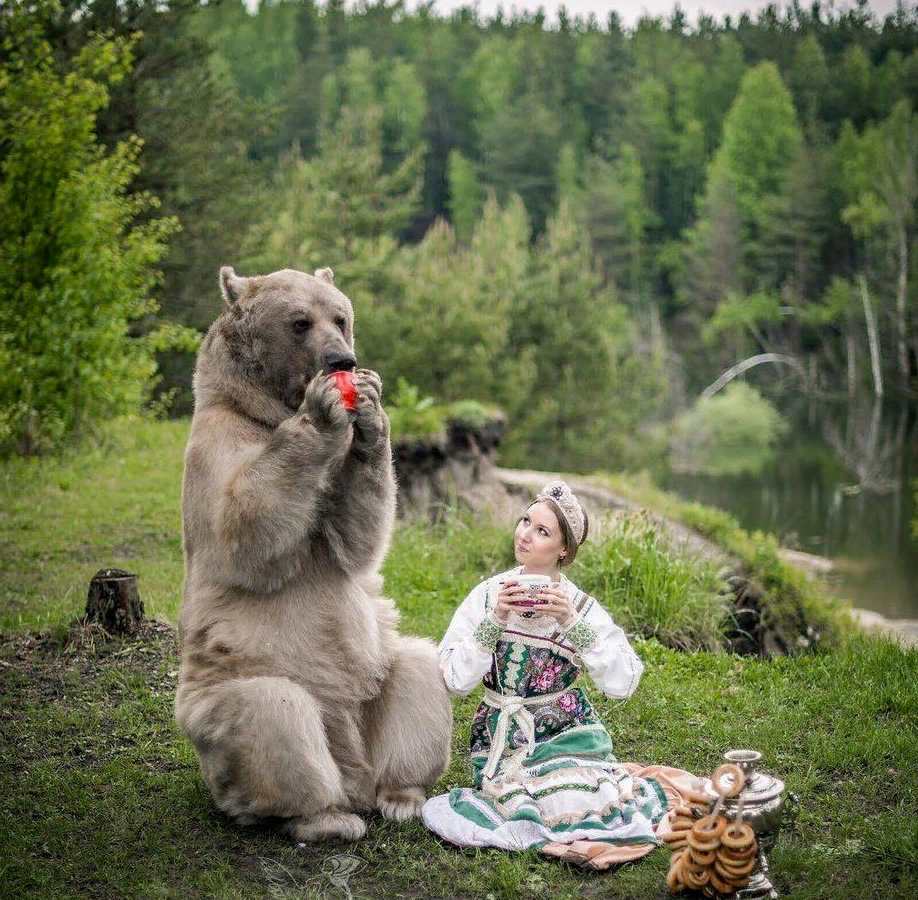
pixel 300 698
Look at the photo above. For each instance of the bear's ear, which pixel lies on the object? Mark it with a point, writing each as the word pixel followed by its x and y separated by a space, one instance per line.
pixel 326 274
pixel 231 286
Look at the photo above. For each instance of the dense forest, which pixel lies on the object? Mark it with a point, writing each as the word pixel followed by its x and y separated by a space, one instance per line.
pixel 592 228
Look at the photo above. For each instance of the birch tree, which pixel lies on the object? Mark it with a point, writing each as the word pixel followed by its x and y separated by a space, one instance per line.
pixel 882 186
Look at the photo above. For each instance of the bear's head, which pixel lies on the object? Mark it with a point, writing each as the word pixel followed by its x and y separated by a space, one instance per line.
pixel 286 327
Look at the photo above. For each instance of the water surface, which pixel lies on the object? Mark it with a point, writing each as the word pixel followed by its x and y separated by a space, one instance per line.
pixel 809 502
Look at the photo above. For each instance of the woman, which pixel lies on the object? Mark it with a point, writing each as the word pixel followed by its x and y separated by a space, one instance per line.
pixel 544 767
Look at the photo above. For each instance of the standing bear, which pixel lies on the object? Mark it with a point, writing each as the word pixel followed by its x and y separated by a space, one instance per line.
pixel 301 699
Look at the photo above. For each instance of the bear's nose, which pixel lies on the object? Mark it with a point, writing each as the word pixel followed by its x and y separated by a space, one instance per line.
pixel 340 362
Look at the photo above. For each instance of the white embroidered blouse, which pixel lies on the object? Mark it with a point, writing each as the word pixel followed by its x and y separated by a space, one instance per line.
pixel 467 648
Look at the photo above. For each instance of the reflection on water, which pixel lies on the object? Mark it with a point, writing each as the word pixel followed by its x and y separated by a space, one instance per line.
pixel 809 502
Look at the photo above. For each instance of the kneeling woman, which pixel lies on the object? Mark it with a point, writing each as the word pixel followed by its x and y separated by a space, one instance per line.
pixel 544 767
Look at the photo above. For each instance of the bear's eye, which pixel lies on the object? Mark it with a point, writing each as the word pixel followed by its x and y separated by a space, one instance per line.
pixel 301 325
pixel 341 322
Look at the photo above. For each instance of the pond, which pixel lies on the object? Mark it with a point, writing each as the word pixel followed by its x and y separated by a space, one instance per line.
pixel 809 502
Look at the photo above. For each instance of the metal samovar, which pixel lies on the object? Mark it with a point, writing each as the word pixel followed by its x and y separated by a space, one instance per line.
pixel 763 805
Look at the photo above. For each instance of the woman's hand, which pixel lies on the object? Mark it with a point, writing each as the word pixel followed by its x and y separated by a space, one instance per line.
pixel 553 601
pixel 508 600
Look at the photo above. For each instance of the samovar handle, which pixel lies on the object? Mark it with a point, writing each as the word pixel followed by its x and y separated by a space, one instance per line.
pixel 789 813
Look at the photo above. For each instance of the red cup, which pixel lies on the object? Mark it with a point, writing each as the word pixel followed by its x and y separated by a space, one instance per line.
pixel 345 383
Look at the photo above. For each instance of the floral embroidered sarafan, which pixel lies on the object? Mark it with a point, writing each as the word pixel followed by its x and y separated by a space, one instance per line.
pixel 544 765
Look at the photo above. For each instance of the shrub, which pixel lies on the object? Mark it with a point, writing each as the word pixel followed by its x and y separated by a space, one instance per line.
pixel 730 433
pixel 76 271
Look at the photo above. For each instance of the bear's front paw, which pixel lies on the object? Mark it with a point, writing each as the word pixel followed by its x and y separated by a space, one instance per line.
pixel 322 403
pixel 371 424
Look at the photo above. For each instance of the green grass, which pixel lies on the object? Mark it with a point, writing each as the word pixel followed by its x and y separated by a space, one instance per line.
pixel 102 798
pixel 114 504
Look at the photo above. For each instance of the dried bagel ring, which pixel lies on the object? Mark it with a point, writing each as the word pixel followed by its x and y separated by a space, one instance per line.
pixel 678 843
pixel 739 885
pixel 709 827
pixel 734 872
pixel 700 844
pixel 695 878
pixel 683 810
pixel 702 857
pixel 737 856
pixel 738 836
pixel 724 787
pixel 724 888
pixel 674 879
pixel 681 823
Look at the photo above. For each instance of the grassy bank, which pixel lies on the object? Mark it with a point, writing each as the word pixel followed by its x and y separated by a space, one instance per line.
pixel 102 796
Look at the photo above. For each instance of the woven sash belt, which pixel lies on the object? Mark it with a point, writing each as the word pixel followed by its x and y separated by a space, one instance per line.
pixel 513 708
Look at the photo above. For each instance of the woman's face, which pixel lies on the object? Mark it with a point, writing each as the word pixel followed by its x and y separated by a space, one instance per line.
pixel 538 541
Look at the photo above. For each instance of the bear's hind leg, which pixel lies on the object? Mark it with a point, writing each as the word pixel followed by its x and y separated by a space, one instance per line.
pixel 264 754
pixel 408 728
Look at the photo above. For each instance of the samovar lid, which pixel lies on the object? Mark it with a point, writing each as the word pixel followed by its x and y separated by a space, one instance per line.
pixel 760 786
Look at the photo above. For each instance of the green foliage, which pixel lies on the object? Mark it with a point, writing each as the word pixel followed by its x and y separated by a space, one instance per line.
pixel 676 146
pixel 411 415
pixel 732 432
pixel 837 304
pixel 739 313
pixel 650 588
pixel 466 194
pixel 447 328
pixel 793 598
pixel 761 137
pixel 728 270
pixel 472 413
pixel 714 524
pixel 881 172
pixel 612 204
pixel 76 269
pixel 592 384
pixel 340 204
pixel 343 207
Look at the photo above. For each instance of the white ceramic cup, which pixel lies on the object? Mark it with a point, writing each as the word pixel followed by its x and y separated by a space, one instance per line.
pixel 533 583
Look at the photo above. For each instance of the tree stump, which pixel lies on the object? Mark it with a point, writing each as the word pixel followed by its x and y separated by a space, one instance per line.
pixel 114 602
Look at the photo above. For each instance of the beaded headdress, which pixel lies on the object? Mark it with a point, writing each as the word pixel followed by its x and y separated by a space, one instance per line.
pixel 567 503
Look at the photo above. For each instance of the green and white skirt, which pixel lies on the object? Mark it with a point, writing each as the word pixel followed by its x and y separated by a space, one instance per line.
pixel 552 795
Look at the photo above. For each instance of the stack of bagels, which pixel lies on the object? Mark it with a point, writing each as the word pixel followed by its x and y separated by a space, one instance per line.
pixel 710 852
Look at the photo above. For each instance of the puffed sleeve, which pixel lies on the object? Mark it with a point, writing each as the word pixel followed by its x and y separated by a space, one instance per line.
pixel 604 649
pixel 468 645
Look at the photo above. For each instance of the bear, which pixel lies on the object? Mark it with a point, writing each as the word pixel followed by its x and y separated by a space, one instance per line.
pixel 304 704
